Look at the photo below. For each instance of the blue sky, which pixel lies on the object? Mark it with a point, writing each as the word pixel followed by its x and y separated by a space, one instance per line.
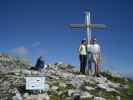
pixel 40 27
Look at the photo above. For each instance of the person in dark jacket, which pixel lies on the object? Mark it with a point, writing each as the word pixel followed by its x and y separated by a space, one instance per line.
pixel 40 63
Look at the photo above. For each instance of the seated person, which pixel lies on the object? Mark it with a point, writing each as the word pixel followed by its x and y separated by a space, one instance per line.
pixel 39 64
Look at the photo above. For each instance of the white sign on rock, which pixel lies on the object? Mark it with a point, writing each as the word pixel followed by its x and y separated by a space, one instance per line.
pixel 36 83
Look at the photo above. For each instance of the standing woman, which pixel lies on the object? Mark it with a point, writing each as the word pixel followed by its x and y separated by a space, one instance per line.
pixel 83 56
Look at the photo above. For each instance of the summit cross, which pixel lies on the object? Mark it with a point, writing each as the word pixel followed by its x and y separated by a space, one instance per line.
pixel 88 26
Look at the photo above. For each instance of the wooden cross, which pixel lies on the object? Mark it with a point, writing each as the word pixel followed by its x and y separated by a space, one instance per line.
pixel 88 26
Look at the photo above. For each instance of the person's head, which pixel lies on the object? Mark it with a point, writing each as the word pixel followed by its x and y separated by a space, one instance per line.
pixel 40 57
pixel 93 41
pixel 83 42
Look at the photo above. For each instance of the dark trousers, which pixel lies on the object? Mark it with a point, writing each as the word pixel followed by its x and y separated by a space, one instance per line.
pixel 83 60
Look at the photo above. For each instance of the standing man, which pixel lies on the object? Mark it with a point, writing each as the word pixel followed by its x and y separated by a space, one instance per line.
pixel 96 55
pixel 82 56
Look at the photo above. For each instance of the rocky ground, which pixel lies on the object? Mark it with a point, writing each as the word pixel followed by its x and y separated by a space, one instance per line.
pixel 65 83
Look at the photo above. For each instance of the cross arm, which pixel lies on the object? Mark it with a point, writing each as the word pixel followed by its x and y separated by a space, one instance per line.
pixel 95 26
pixel 77 26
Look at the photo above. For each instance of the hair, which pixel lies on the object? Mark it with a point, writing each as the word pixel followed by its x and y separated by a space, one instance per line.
pixel 94 38
pixel 83 41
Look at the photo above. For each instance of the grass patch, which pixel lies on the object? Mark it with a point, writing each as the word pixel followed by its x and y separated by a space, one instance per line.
pixel 54 97
pixel 114 79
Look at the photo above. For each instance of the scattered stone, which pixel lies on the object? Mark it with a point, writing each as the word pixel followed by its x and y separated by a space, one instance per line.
pixel 17 97
pixel 60 93
pixel 85 95
pixel 71 92
pixel 87 88
pixel 63 79
pixel 27 72
pixel 76 96
pixel 61 84
pixel 38 97
pixel 98 98
pixel 54 88
pixel 113 85
pixel 106 88
pixel 118 98
pixel 26 95
pixel 124 86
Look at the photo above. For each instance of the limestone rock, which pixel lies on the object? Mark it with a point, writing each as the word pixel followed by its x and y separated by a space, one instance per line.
pixel 38 97
pixel 17 97
pixel 106 87
pixel 63 85
pixel 85 95
pixel 64 81
pixel 87 88
pixel 54 88
pixel 72 91
pixel 98 98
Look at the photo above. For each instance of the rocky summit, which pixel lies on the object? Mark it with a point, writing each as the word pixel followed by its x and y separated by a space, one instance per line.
pixel 64 80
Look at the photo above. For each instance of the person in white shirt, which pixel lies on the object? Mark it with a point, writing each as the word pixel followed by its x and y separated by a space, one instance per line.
pixel 82 56
pixel 94 55
pixel 96 52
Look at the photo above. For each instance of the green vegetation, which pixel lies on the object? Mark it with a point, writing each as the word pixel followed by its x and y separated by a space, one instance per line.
pixel 54 97
pixel 125 94
pixel 114 79
pixel 128 94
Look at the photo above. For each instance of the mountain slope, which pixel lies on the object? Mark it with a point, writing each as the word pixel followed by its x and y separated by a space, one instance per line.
pixel 65 83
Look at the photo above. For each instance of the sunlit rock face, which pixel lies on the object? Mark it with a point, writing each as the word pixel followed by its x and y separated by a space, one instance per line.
pixel 64 80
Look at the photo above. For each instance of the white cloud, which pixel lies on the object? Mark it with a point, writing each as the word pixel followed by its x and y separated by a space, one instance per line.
pixel 36 44
pixel 20 51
